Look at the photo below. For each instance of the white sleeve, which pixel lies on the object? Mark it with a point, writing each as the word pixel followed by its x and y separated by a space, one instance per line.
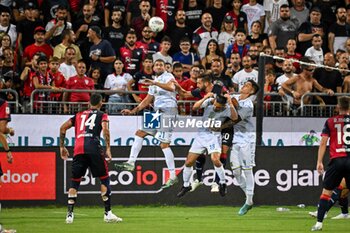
pixel 128 77
pixel 235 78
pixel 107 83
pixel 206 103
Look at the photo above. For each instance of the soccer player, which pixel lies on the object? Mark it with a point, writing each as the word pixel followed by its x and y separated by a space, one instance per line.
pixel 206 139
pixel 336 131
pixel 242 157
pixel 5 117
pixel 88 153
pixel 163 96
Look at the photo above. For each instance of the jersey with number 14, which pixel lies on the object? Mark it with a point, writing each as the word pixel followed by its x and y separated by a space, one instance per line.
pixel 337 128
pixel 88 127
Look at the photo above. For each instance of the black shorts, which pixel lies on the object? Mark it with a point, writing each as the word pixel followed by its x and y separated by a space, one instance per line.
pixel 96 163
pixel 338 169
pixel 227 136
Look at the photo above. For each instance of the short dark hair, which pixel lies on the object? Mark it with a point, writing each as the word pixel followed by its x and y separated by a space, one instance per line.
pixel 344 103
pixel 284 6
pixel 177 65
pixel 206 78
pixel 306 60
pixel 221 99
pixel 255 86
pixel 95 99
pixel 166 39
pixel 185 39
pixel 65 32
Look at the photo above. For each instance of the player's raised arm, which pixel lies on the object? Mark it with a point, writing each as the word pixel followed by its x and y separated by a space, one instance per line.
pixel 200 102
pixel 63 129
pixel 234 114
pixel 145 102
pixel 106 136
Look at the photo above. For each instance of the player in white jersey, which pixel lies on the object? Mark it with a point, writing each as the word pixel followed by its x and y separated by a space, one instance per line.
pixel 242 158
pixel 215 110
pixel 162 94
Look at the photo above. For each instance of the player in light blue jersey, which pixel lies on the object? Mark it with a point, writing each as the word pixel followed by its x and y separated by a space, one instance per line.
pixel 163 96
pixel 217 110
pixel 242 158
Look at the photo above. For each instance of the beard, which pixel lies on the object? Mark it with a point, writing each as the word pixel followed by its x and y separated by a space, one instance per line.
pixel 285 18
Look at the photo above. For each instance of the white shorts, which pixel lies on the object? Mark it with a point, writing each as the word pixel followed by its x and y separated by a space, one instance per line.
pixel 206 141
pixel 162 136
pixel 242 156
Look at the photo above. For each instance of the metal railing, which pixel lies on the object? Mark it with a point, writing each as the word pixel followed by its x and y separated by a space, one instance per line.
pixel 14 103
pixel 276 106
pixel 317 110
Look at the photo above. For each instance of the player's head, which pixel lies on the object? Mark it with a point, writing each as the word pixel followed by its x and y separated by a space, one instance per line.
pixel 219 103
pixel 250 87
pixel 203 81
pixel 344 104
pixel 96 100
pixel 159 67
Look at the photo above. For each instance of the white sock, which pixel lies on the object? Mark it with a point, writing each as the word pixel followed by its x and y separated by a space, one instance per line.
pixel 169 159
pixel 221 173
pixel 186 174
pixel 135 149
pixel 319 224
pixel 237 173
pixel 249 186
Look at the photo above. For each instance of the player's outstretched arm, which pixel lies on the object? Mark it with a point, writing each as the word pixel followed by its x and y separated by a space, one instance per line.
pixel 145 102
pixel 321 151
pixel 63 129
pixel 107 138
pixel 234 114
pixel 169 86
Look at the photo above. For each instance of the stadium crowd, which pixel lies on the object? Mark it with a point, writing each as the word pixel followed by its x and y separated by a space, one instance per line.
pixel 108 45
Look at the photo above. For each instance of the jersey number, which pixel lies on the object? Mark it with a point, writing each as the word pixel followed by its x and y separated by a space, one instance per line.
pixel 345 138
pixel 90 122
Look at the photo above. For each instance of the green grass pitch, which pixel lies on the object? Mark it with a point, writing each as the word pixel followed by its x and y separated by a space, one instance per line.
pixel 167 219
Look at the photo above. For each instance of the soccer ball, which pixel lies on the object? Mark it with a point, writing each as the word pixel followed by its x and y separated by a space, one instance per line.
pixel 156 24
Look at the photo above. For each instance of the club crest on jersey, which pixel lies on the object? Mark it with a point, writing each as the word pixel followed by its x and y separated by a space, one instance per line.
pixel 86 81
pixel 152 120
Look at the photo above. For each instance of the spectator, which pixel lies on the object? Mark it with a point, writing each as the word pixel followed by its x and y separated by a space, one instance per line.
pixel 18 8
pixel 329 78
pixel 185 56
pixel 179 31
pixel 247 73
pixel 117 81
pixel 166 10
pixel 56 77
pixel 98 11
pixel 303 83
pixel 254 12
pixel 8 62
pixel 288 73
pixel 278 64
pixel 283 29
pixel 55 27
pixel 165 46
pixel 272 11
pixel 38 46
pixel 116 32
pixel 133 11
pixel 193 9
pixel 48 9
pixel 101 52
pixel 270 86
pixel 139 77
pixel 239 17
pixel 217 11
pixel 178 73
pixel 203 34
pixel 239 45
pixel 131 55
pixel 5 43
pixel 189 85
pixel 310 28
pixel 81 27
pixel 212 53
pixel 338 32
pixel 234 64
pixel 26 27
pixel 347 45
pixel 147 44
pixel 110 7
pixel 299 11
pixel 226 36
pixel 343 67
pixel 291 54
pixel 256 36
pixel 327 8
pixel 80 82
pixel 6 27
pixel 253 52
pixel 316 52
pixel 343 58
pixel 217 75
pixel 138 23
pixel 95 74
pixel 68 40
pixel 67 68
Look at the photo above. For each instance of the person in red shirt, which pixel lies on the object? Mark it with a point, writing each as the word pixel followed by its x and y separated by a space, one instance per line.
pixel 38 46
pixel 5 117
pixel 189 85
pixel 80 81
pixel 336 131
pixel 147 44
pixel 291 54
pixel 57 78
pixel 88 153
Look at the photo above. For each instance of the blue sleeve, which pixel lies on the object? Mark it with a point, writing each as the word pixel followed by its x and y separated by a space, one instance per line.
pixel 108 50
pixel 228 51
pixel 196 39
